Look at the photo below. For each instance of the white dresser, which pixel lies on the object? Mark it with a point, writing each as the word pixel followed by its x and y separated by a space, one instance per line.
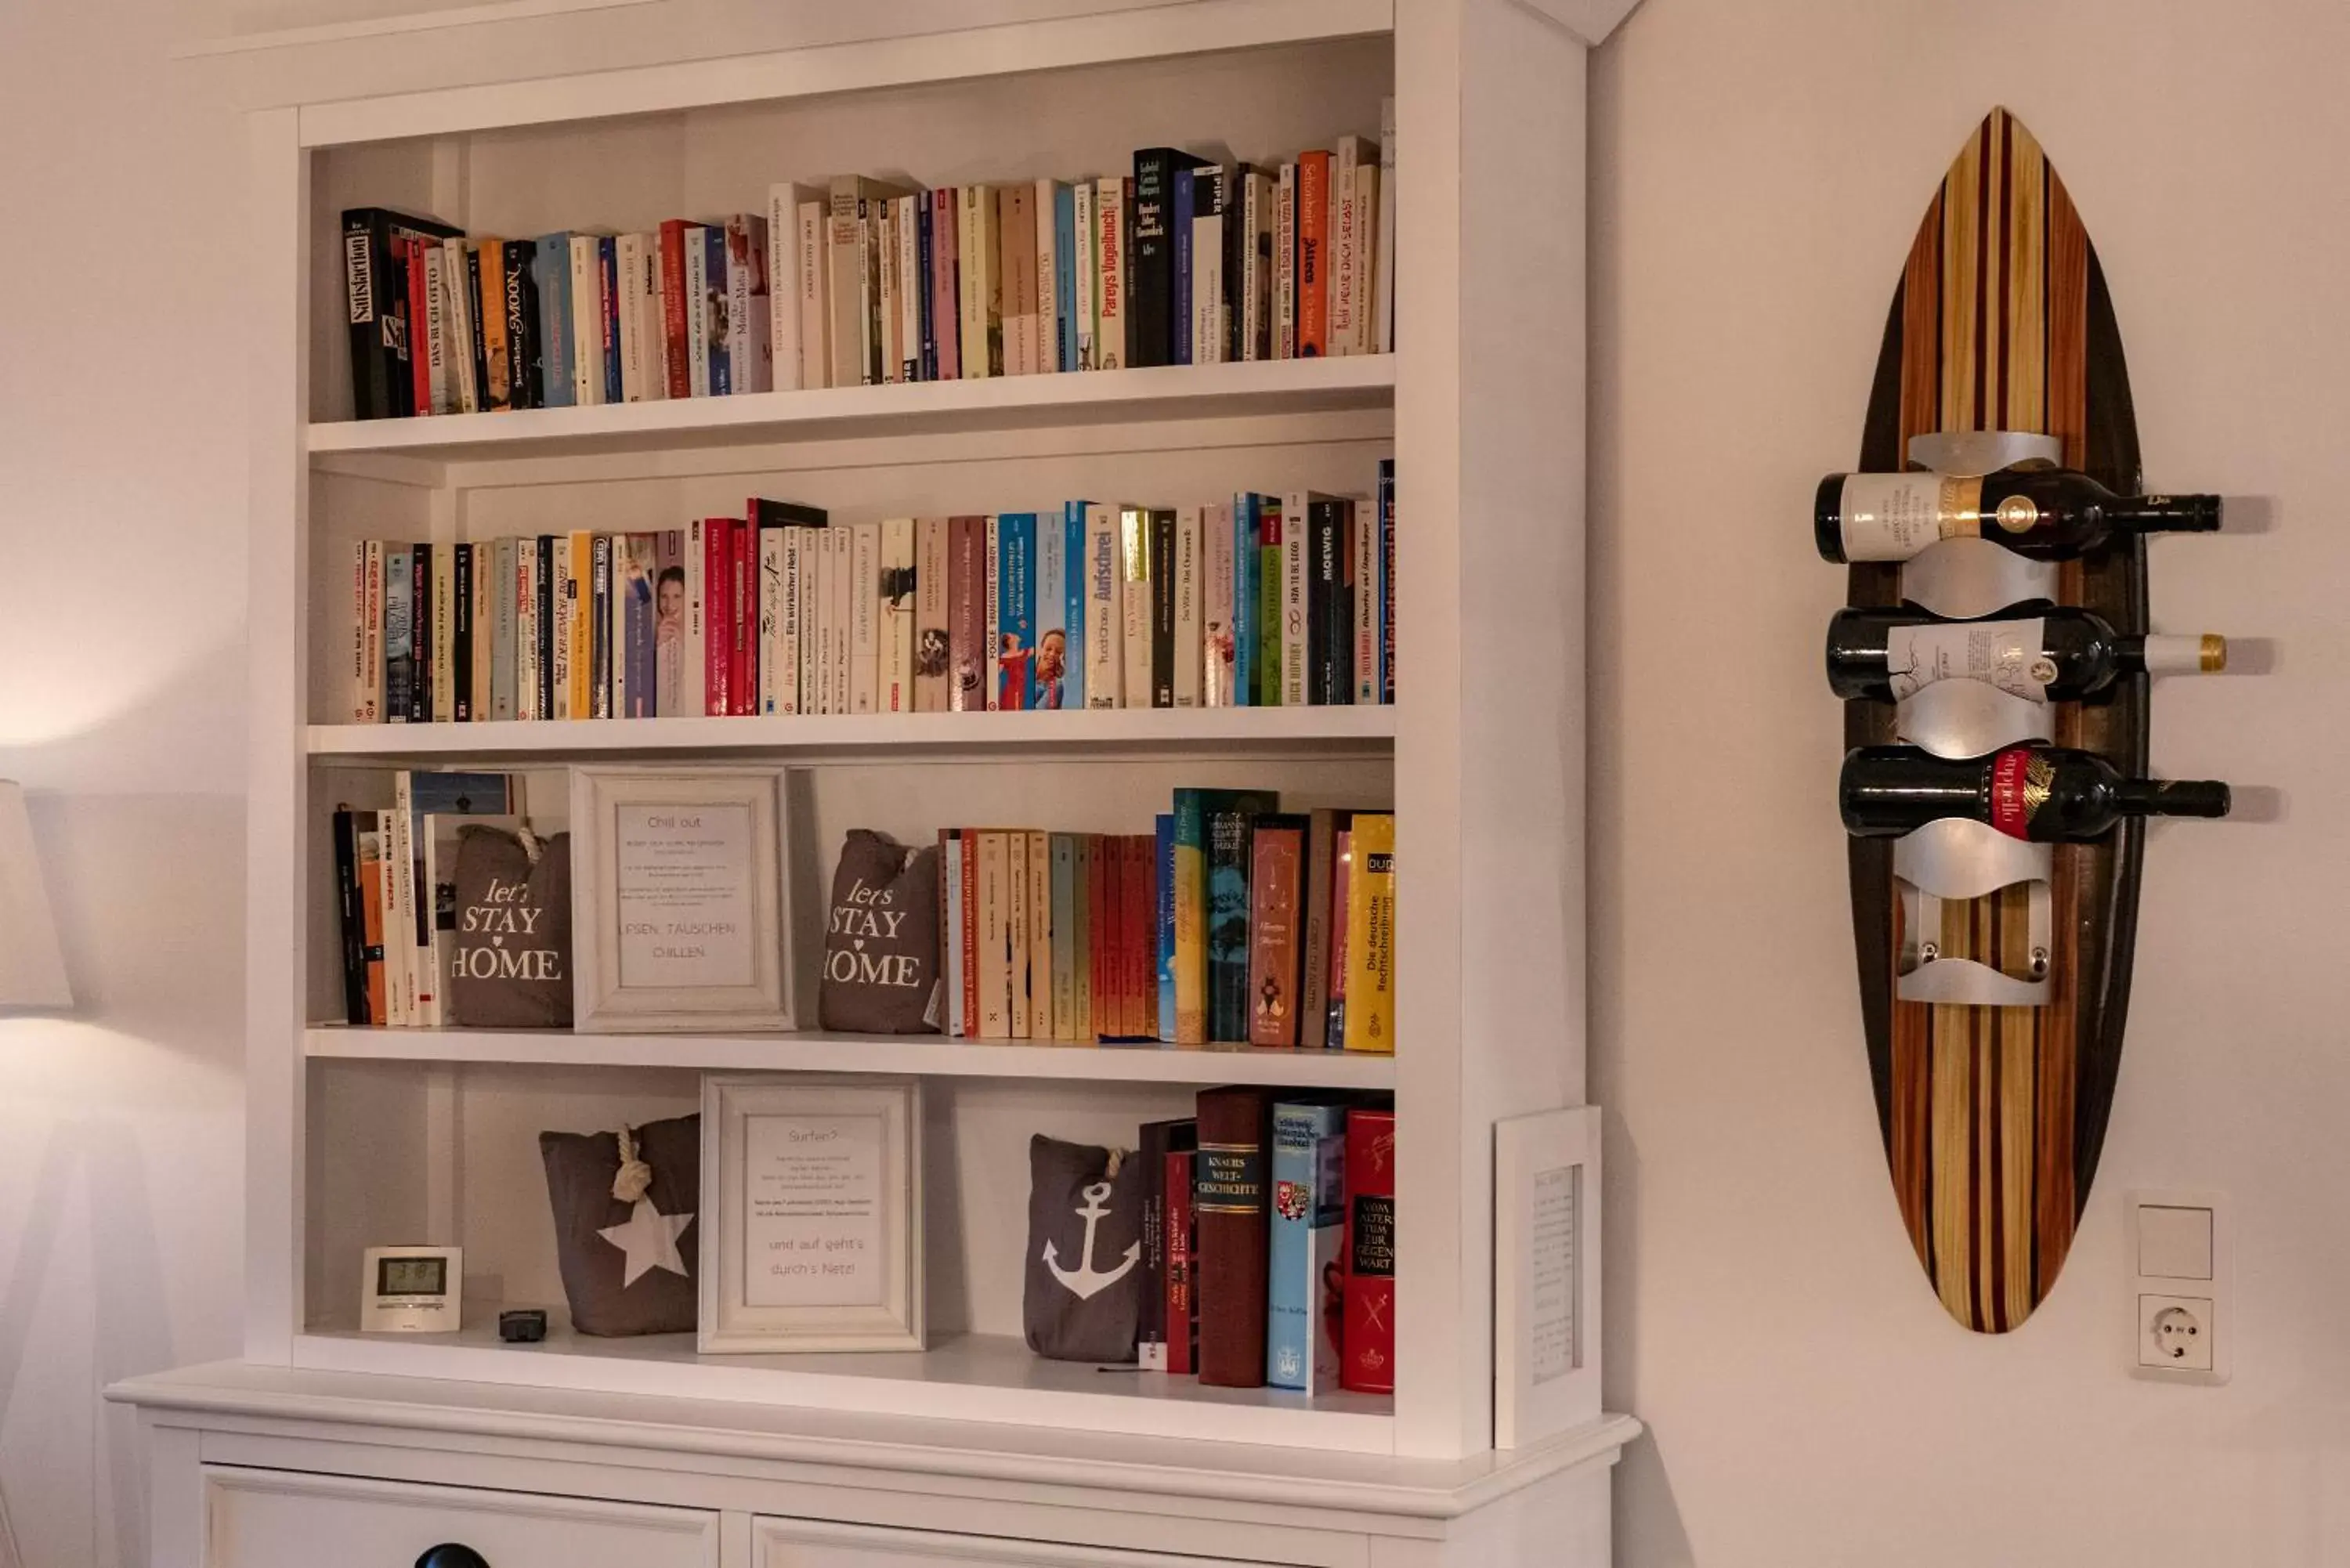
pixel 260 1467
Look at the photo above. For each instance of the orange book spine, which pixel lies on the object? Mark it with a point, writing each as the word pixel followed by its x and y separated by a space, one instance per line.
pixel 1312 254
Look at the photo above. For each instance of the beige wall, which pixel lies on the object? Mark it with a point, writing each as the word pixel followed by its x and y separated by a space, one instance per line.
pixel 1760 169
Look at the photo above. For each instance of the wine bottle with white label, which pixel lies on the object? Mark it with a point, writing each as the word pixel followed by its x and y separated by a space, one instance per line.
pixel 2060 655
pixel 2044 793
pixel 2048 514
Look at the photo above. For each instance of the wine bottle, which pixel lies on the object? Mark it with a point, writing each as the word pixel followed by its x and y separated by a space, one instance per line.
pixel 2045 793
pixel 2048 514
pixel 2060 655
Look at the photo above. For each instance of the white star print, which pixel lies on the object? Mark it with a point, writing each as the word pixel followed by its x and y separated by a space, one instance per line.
pixel 649 1240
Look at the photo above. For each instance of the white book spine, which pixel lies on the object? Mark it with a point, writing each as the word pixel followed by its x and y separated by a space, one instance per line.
pixel 693 684
pixel 1134 602
pixel 870 366
pixel 1285 265
pixel 461 325
pixel 1293 529
pixel 436 333
pixel 632 318
pixel 1088 274
pixel 1190 624
pixel 445 634
pixel 697 310
pixel 1048 291
pixel 782 289
pixel 1105 611
pixel 587 322
pixel 1366 207
pixel 1343 246
pixel 751 328
pixel 772 598
pixel 865 626
pixel 1218 608
pixel 897 694
pixel 911 285
pixel 780 675
pixel 1364 535
pixel 841 631
pixel 815 659
pixel 1383 263
pixel 971 281
pixel 398 953
pixel 526 629
pixel 652 321
pixel 1208 290
pixel 992 642
pixel 367 676
pixel 563 594
pixel 815 320
pixel 1252 293
pixel 1109 262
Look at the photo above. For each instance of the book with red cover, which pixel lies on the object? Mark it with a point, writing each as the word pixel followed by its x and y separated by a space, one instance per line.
pixel 1140 889
pixel 717 615
pixel 1182 1230
pixel 1366 1351
pixel 1156 1141
pixel 1312 254
pixel 1276 943
pixel 967 566
pixel 1105 916
pixel 420 318
pixel 743 651
pixel 1229 1194
pixel 673 281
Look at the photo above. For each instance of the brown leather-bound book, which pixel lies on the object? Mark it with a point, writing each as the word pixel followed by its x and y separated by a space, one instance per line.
pixel 1275 945
pixel 1229 1197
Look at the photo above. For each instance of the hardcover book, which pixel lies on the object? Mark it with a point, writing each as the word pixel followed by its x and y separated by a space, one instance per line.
pixel 1150 322
pixel 1182 1233
pixel 1366 1347
pixel 1230 1198
pixel 1229 865
pixel 1195 913
pixel 1305 1306
pixel 1154 1143
pixel 1276 943
pixel 381 381
pixel 1371 934
pixel 1164 1018
pixel 1329 602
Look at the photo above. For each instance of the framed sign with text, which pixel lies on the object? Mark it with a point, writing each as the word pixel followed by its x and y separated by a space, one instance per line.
pixel 815 1184
pixel 1545 1274
pixel 680 897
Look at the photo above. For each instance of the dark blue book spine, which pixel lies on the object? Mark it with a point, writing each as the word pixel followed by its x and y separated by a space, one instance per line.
pixel 1065 275
pixel 713 239
pixel 550 269
pixel 1383 641
pixel 1179 220
pixel 608 257
pixel 929 366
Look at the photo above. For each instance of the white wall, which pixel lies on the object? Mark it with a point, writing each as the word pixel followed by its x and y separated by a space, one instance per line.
pixel 1760 169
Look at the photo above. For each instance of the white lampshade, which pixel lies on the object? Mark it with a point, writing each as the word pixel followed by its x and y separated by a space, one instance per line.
pixel 32 973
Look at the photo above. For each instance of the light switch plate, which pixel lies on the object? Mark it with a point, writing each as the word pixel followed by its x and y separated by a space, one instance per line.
pixel 2178 1251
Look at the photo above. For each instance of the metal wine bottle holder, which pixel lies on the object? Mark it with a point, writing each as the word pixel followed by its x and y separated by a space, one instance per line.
pixel 1958 859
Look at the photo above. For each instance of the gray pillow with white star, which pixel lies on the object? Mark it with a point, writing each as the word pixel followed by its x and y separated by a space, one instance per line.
pixel 628 1267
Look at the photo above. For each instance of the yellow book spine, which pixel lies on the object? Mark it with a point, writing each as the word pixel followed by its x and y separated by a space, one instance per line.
pixel 1371 934
pixel 582 589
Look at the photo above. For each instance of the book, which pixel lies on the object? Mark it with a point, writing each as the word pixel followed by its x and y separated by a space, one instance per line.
pixel 1150 321
pixel 1383 558
pixel 1296 602
pixel 944 331
pixel 1284 264
pixel 718 372
pixel 742 614
pixel 1362 287
pixel 1162 607
pixel 1059 267
pixel 530 651
pixel 1384 249
pixel 1105 623
pixel 1275 944
pixel 1254 329
pixel 1153 1142
pixel 1061 851
pixel 968 933
pixel 587 321
pixel 717 615
pixel 484 618
pixel 458 660
pixel 1366 1337
pixel 1048 666
pixel 497 366
pixel 1179 229
pixel 1305 1307
pixel 526 349
pixel 374 306
pixel 636 654
pixel 865 616
pixel 1266 640
pixel 1319 881
pixel 1165 1017
pixel 1189 902
pixel 1014 597
pixel 395 924
pixel 1345 243
pixel 913 294
pixel 398 633
pixel 994 908
pixel 1087 237
pixel 1208 297
pixel 369 852
pixel 1342 869
pixel 1226 928
pixel 506 603
pixel 1038 977
pixel 351 923
pixel 775 654
pixel 1329 602
pixel 850 289
pixel 1109 271
pixel 750 315
pixel 980 244
pixel 366 632
pixel 457 324
pixel 1019 934
pixel 951 949
pixel 1016 233
pixel 841 592
pixel 934 660
pixel 1230 1199
pixel 896 635
pixel 545 585
pixel 1312 265
pixel 551 270
pixel 1182 1249
pixel 1145 915
pixel 629 270
pixel 1371 934
pixel 420 557
pixel 967 577
pixel 1189 629
pixel 811 356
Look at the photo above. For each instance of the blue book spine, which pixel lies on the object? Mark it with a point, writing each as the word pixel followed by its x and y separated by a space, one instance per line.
pixel 1167 927
pixel 607 256
pixel 713 241
pixel 1248 583
pixel 550 268
pixel 1048 685
pixel 1065 274
pixel 1179 219
pixel 1073 613
pixel 1383 556
pixel 930 368
pixel 1015 620
pixel 1309 1152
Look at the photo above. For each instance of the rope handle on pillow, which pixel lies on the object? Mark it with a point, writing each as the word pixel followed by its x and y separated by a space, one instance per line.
pixel 635 1176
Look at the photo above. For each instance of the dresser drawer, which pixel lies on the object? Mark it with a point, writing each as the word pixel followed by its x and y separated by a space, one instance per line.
pixel 811 1544
pixel 278 1519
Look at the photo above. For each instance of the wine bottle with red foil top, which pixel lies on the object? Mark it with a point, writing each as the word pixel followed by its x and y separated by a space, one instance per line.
pixel 2060 655
pixel 2048 514
pixel 2047 794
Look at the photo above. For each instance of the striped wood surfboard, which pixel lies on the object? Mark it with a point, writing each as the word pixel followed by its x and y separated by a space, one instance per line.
pixel 1993 1116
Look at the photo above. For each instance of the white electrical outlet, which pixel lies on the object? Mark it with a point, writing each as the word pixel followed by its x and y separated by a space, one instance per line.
pixel 2179 1245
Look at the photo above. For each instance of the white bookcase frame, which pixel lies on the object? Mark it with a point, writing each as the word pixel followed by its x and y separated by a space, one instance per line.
pixel 1485 402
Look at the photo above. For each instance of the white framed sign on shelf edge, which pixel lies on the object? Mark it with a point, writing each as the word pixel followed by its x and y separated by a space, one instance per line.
pixel 1545 1274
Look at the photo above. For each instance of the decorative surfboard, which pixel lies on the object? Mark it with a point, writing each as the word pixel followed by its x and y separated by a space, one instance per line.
pixel 1994 1116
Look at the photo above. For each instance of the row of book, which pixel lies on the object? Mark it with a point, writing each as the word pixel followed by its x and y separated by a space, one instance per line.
pixel 1263 600
pixel 1268 1242
pixel 1187 260
pixel 396 894
pixel 1233 923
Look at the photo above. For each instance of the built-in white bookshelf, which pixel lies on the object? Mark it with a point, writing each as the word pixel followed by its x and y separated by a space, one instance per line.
pixel 367 1136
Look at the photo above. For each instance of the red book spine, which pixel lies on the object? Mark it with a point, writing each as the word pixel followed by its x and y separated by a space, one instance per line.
pixel 419 317
pixel 1312 254
pixel 1142 936
pixel 1182 1259
pixel 966 613
pixel 681 375
pixel 745 654
pixel 718 622
pixel 1229 1197
pixel 1107 916
pixel 1367 1350
pixel 969 935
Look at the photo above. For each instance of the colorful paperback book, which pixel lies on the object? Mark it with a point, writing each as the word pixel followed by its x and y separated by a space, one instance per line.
pixel 1371 934
pixel 636 662
pixel 715 307
pixel 1074 649
pixel 1179 233
pixel 1104 610
pixel 1167 1017
pixel 1248 594
pixel 1048 670
pixel 1269 579
pixel 1190 909
pixel 1039 976
pixel 1015 611
pixel 1305 1324
pixel 398 633
pixel 1218 601
pixel 1229 834
pixel 1188 569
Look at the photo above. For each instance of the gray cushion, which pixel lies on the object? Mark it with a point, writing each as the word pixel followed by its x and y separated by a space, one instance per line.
pixel 580 1167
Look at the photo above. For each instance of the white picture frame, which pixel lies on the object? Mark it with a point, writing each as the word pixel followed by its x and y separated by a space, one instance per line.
pixel 724 875
pixel 775 1144
pixel 1545 1274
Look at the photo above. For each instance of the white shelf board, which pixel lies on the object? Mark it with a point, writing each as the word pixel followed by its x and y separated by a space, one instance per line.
pixel 926 1055
pixel 981 1377
pixel 1112 732
pixel 996 403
